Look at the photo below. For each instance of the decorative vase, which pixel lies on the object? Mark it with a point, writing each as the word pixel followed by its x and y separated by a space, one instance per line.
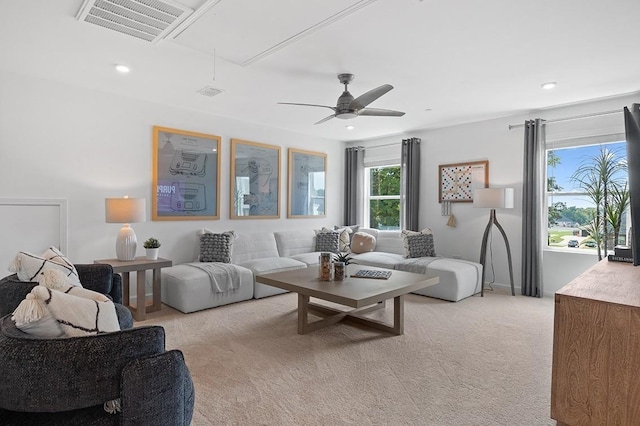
pixel 339 271
pixel 325 267
pixel 152 253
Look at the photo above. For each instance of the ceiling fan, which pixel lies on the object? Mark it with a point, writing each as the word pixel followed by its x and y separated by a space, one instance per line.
pixel 348 107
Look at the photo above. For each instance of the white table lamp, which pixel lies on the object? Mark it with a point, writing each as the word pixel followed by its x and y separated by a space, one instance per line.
pixel 494 198
pixel 125 210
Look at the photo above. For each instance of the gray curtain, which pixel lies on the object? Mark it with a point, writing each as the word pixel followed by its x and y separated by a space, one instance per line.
pixel 354 185
pixel 632 133
pixel 532 206
pixel 410 186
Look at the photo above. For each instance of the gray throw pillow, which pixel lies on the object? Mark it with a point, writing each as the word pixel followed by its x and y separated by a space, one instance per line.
pixel 420 245
pixel 328 241
pixel 216 247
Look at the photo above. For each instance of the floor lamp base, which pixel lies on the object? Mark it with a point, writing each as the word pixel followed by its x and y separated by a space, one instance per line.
pixel 483 251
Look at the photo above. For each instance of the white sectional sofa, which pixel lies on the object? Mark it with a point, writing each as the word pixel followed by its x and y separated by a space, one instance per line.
pixel 188 288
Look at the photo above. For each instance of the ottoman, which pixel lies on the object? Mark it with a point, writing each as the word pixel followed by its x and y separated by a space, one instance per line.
pixel 459 278
pixel 189 289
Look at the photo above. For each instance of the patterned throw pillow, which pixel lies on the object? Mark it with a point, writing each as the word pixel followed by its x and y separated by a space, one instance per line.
pixel 361 242
pixel 344 239
pixel 418 244
pixel 31 267
pixel 327 241
pixel 216 247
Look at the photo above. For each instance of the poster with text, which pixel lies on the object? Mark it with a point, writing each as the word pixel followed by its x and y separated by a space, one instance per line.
pixel 186 175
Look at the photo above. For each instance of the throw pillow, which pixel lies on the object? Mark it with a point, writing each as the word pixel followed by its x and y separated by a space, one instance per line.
pixel 418 244
pixel 216 247
pixel 354 228
pixel 361 242
pixel 327 241
pixel 344 239
pixel 77 312
pixel 30 267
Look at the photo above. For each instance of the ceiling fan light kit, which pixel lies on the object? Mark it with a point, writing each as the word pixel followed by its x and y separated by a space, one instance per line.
pixel 347 107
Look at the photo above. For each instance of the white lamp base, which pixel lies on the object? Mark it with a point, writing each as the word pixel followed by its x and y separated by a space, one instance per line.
pixel 126 243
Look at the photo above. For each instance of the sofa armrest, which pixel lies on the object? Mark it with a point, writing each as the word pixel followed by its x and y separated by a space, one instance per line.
pixel 116 289
pixel 12 292
pixel 100 278
pixel 68 373
pixel 150 398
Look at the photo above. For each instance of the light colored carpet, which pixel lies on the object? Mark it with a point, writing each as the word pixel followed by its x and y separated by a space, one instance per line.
pixel 481 361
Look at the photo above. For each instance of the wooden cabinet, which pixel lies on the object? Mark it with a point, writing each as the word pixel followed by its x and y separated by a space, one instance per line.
pixel 595 377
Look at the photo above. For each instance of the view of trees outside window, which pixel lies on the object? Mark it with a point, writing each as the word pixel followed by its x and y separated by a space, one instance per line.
pixel 383 197
pixel 587 197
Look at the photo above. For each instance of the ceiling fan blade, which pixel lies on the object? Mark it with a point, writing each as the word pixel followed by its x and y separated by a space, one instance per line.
pixel 373 94
pixel 380 112
pixel 313 105
pixel 325 119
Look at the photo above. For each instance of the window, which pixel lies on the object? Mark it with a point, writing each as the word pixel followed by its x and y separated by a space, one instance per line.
pixel 382 203
pixel 587 196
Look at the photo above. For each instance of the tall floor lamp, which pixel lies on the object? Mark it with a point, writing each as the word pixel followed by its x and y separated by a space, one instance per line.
pixel 493 198
pixel 125 210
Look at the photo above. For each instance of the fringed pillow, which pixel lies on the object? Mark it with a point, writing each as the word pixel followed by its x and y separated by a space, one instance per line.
pixel 30 267
pixel 65 310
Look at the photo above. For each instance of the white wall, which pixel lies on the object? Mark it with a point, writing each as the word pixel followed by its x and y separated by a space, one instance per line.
pixel 492 140
pixel 60 141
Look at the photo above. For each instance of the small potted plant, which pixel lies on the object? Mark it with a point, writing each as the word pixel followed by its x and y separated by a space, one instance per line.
pixel 152 245
pixel 341 260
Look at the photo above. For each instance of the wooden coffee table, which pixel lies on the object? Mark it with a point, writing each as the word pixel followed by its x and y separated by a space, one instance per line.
pixel 362 294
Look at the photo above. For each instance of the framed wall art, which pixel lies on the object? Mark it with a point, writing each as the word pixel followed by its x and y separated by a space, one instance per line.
pixel 186 175
pixel 456 182
pixel 307 176
pixel 255 180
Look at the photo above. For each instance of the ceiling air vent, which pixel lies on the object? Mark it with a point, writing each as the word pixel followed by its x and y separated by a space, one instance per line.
pixel 148 20
pixel 209 91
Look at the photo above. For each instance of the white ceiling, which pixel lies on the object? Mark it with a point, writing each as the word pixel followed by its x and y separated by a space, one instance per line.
pixel 450 61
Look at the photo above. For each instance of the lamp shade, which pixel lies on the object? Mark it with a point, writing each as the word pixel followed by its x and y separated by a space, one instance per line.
pixel 493 198
pixel 125 210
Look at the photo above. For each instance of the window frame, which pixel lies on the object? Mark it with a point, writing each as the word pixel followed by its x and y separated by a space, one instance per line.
pixel 368 197
pixel 555 145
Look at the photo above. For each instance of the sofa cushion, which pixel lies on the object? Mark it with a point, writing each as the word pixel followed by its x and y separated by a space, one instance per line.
pixel 362 243
pixel 295 242
pixel 389 242
pixel 376 258
pixel 272 264
pixel 312 258
pixel 327 241
pixel 418 244
pixel 216 247
pixel 254 245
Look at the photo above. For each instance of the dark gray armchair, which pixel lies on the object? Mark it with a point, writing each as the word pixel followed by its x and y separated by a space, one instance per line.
pixel 66 381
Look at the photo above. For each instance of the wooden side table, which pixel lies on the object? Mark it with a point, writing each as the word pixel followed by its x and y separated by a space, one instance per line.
pixel 140 265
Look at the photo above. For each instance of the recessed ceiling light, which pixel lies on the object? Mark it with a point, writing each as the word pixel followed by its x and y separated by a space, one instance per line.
pixel 350 127
pixel 549 85
pixel 122 68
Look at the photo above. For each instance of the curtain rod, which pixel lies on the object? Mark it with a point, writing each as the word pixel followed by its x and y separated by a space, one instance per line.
pixel 575 117
pixel 379 146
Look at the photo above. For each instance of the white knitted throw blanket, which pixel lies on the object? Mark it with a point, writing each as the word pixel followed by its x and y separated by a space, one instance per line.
pixel 222 276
